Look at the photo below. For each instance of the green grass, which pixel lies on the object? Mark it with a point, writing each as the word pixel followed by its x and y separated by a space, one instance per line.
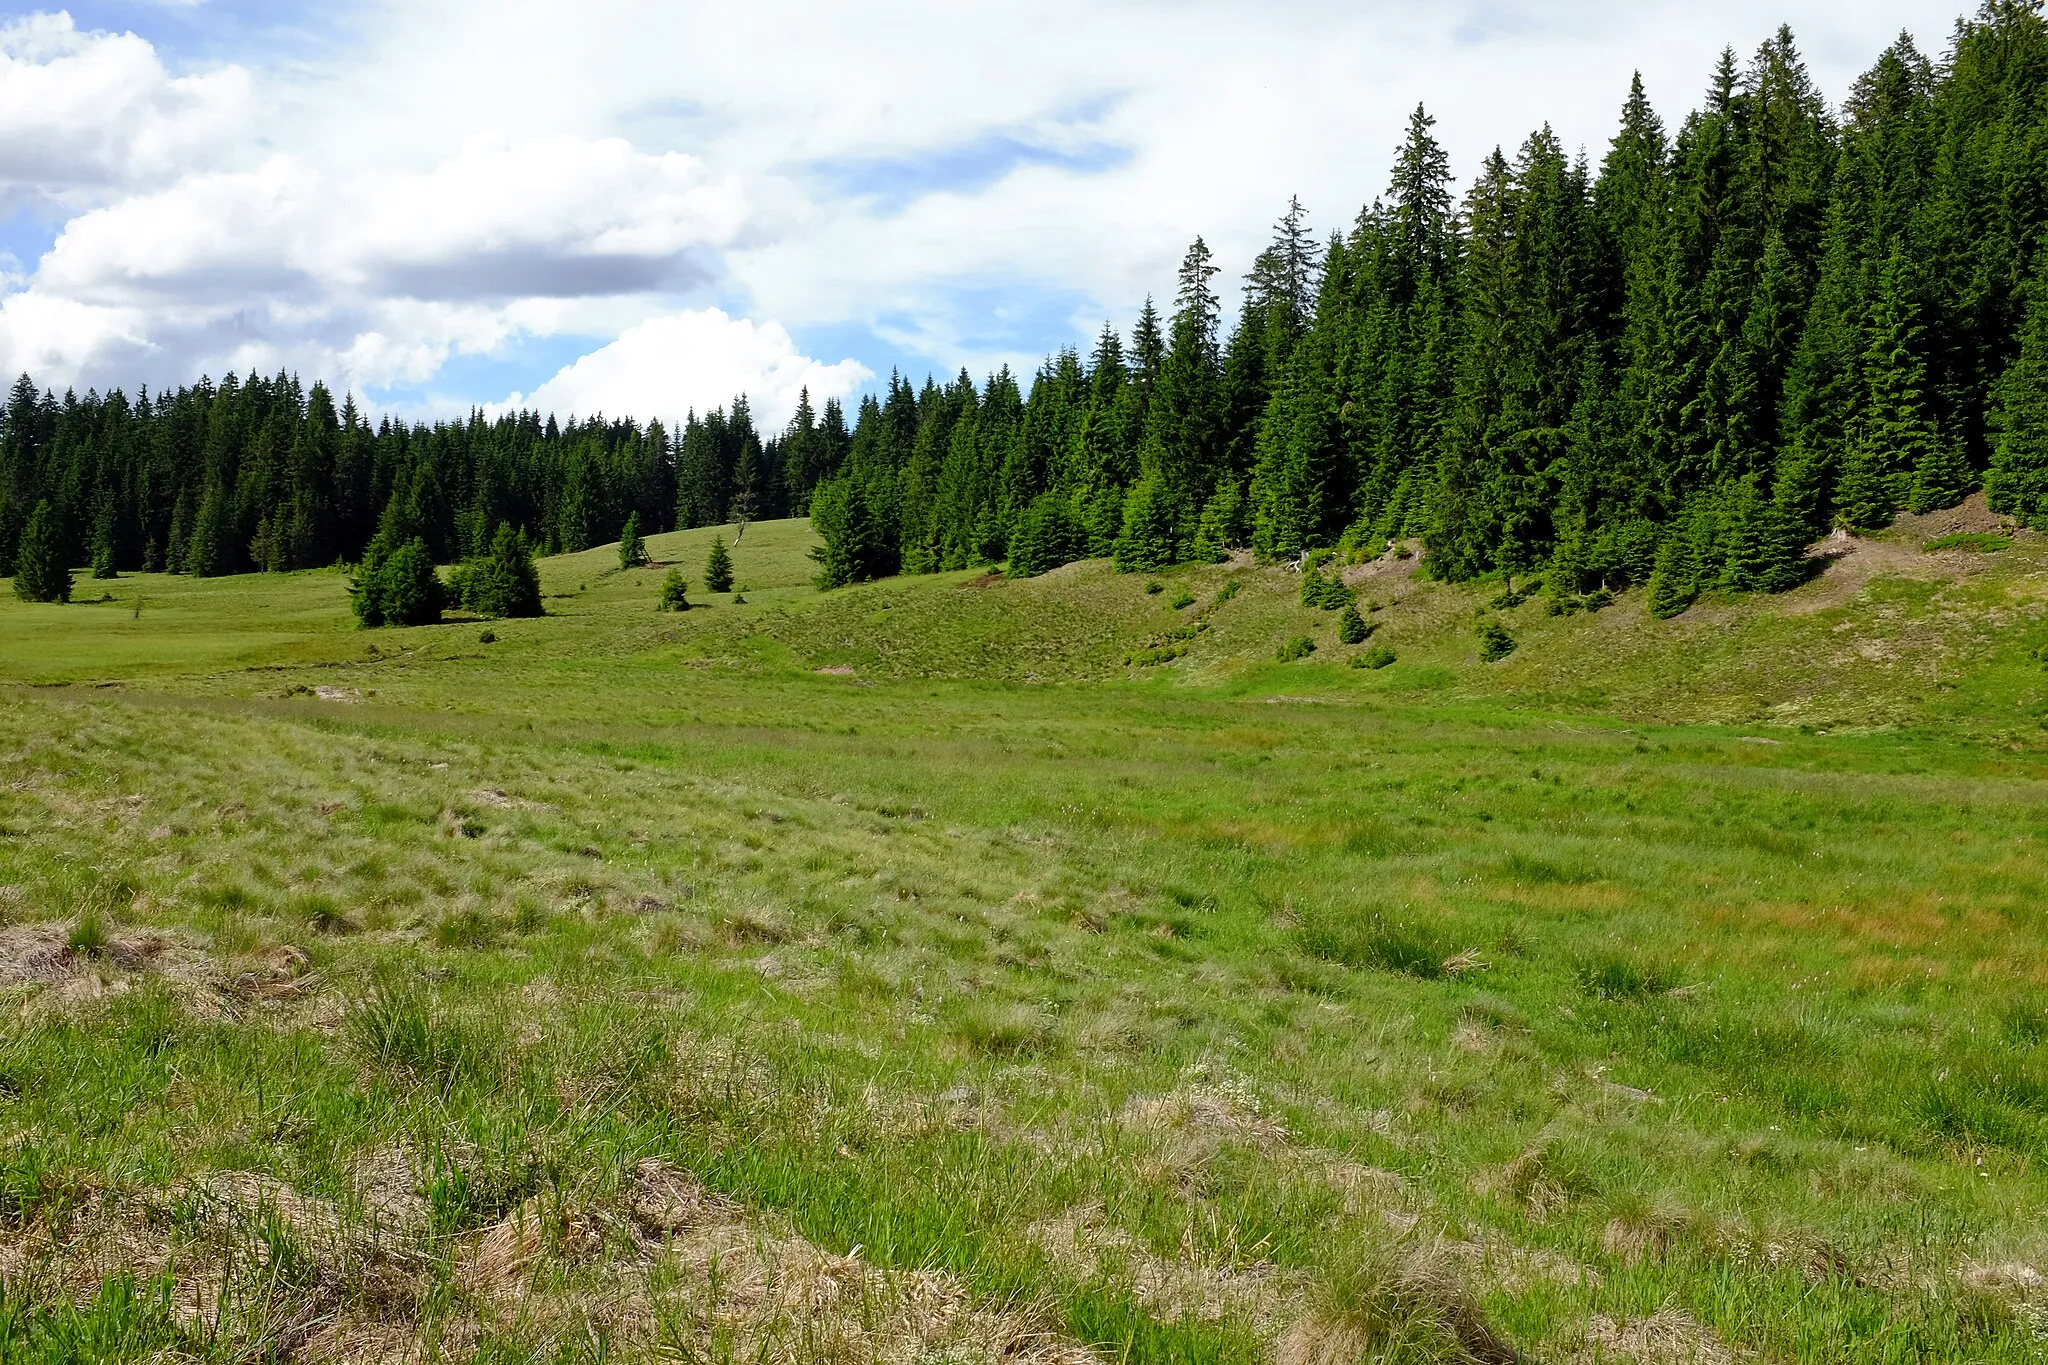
pixel 1100 977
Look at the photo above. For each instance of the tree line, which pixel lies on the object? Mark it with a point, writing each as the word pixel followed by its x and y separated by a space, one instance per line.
pixel 1676 367
pixel 256 473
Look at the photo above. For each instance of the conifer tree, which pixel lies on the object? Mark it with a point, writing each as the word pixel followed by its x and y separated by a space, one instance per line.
pixel 1673 584
pixel 1222 525
pixel 1151 517
pixel 103 565
pixel 1894 433
pixel 2017 483
pixel 39 571
pixel 632 549
pixel 503 581
pixel 746 492
pixel 718 567
pixel 675 592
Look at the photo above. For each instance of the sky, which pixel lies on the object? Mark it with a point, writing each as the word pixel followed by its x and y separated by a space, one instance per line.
pixel 645 208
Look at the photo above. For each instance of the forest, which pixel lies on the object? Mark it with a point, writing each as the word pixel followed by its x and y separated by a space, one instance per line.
pixel 1675 367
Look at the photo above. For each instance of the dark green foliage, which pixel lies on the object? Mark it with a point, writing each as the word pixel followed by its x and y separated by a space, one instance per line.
pixel 1150 534
pixel 632 550
pixel 1299 647
pixel 1351 627
pixel 675 592
pixel 503 582
pixel 1222 525
pixel 1047 536
pixel 2017 482
pixel 1183 600
pixel 856 547
pixel 1379 656
pixel 718 567
pixel 399 588
pixel 1673 583
pixel 1495 643
pixel 39 572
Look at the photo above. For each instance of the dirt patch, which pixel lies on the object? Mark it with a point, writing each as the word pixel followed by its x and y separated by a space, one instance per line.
pixel 347 696
pixel 835 671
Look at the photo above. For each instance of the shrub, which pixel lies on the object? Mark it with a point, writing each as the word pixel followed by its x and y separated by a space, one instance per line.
pixel 1379 656
pixel 396 588
pixel 1351 627
pixel 1228 591
pixel 675 593
pixel 1300 647
pixel 1154 588
pixel 718 567
pixel 1184 600
pixel 503 582
pixel 1495 643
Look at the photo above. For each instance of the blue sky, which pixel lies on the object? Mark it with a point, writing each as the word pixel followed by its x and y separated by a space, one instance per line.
pixel 641 207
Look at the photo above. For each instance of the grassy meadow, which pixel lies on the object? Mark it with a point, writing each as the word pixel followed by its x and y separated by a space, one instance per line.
pixel 957 969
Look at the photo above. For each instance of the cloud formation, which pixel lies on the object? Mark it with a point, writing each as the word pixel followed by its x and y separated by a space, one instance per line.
pixel 667 366
pixel 86 113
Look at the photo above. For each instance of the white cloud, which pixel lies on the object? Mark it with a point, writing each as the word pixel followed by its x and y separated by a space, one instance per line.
pixel 668 365
pixel 84 113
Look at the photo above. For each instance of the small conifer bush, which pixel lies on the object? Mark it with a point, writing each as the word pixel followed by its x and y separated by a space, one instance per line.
pixel 1379 656
pixel 503 582
pixel 1352 628
pixel 1154 588
pixel 398 588
pixel 675 593
pixel 1495 643
pixel 1300 647
pixel 718 567
pixel 1184 600
pixel 632 549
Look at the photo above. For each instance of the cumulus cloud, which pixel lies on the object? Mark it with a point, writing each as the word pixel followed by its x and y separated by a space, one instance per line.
pixel 668 365
pixel 376 276
pixel 85 113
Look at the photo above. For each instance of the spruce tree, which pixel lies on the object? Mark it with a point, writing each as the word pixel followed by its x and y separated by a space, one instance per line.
pixel 504 581
pixel 632 550
pixel 2017 482
pixel 39 571
pixel 103 565
pixel 718 567
pixel 1894 433
pixel 675 592
pixel 1147 540
pixel 410 591
pixel 1673 583
pixel 1221 526
pixel 1941 479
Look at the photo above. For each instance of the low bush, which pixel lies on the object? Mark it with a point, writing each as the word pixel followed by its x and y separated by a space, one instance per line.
pixel 1495 643
pixel 1300 647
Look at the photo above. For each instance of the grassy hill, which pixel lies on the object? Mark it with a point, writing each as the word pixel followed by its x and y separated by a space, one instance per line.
pixel 961 969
